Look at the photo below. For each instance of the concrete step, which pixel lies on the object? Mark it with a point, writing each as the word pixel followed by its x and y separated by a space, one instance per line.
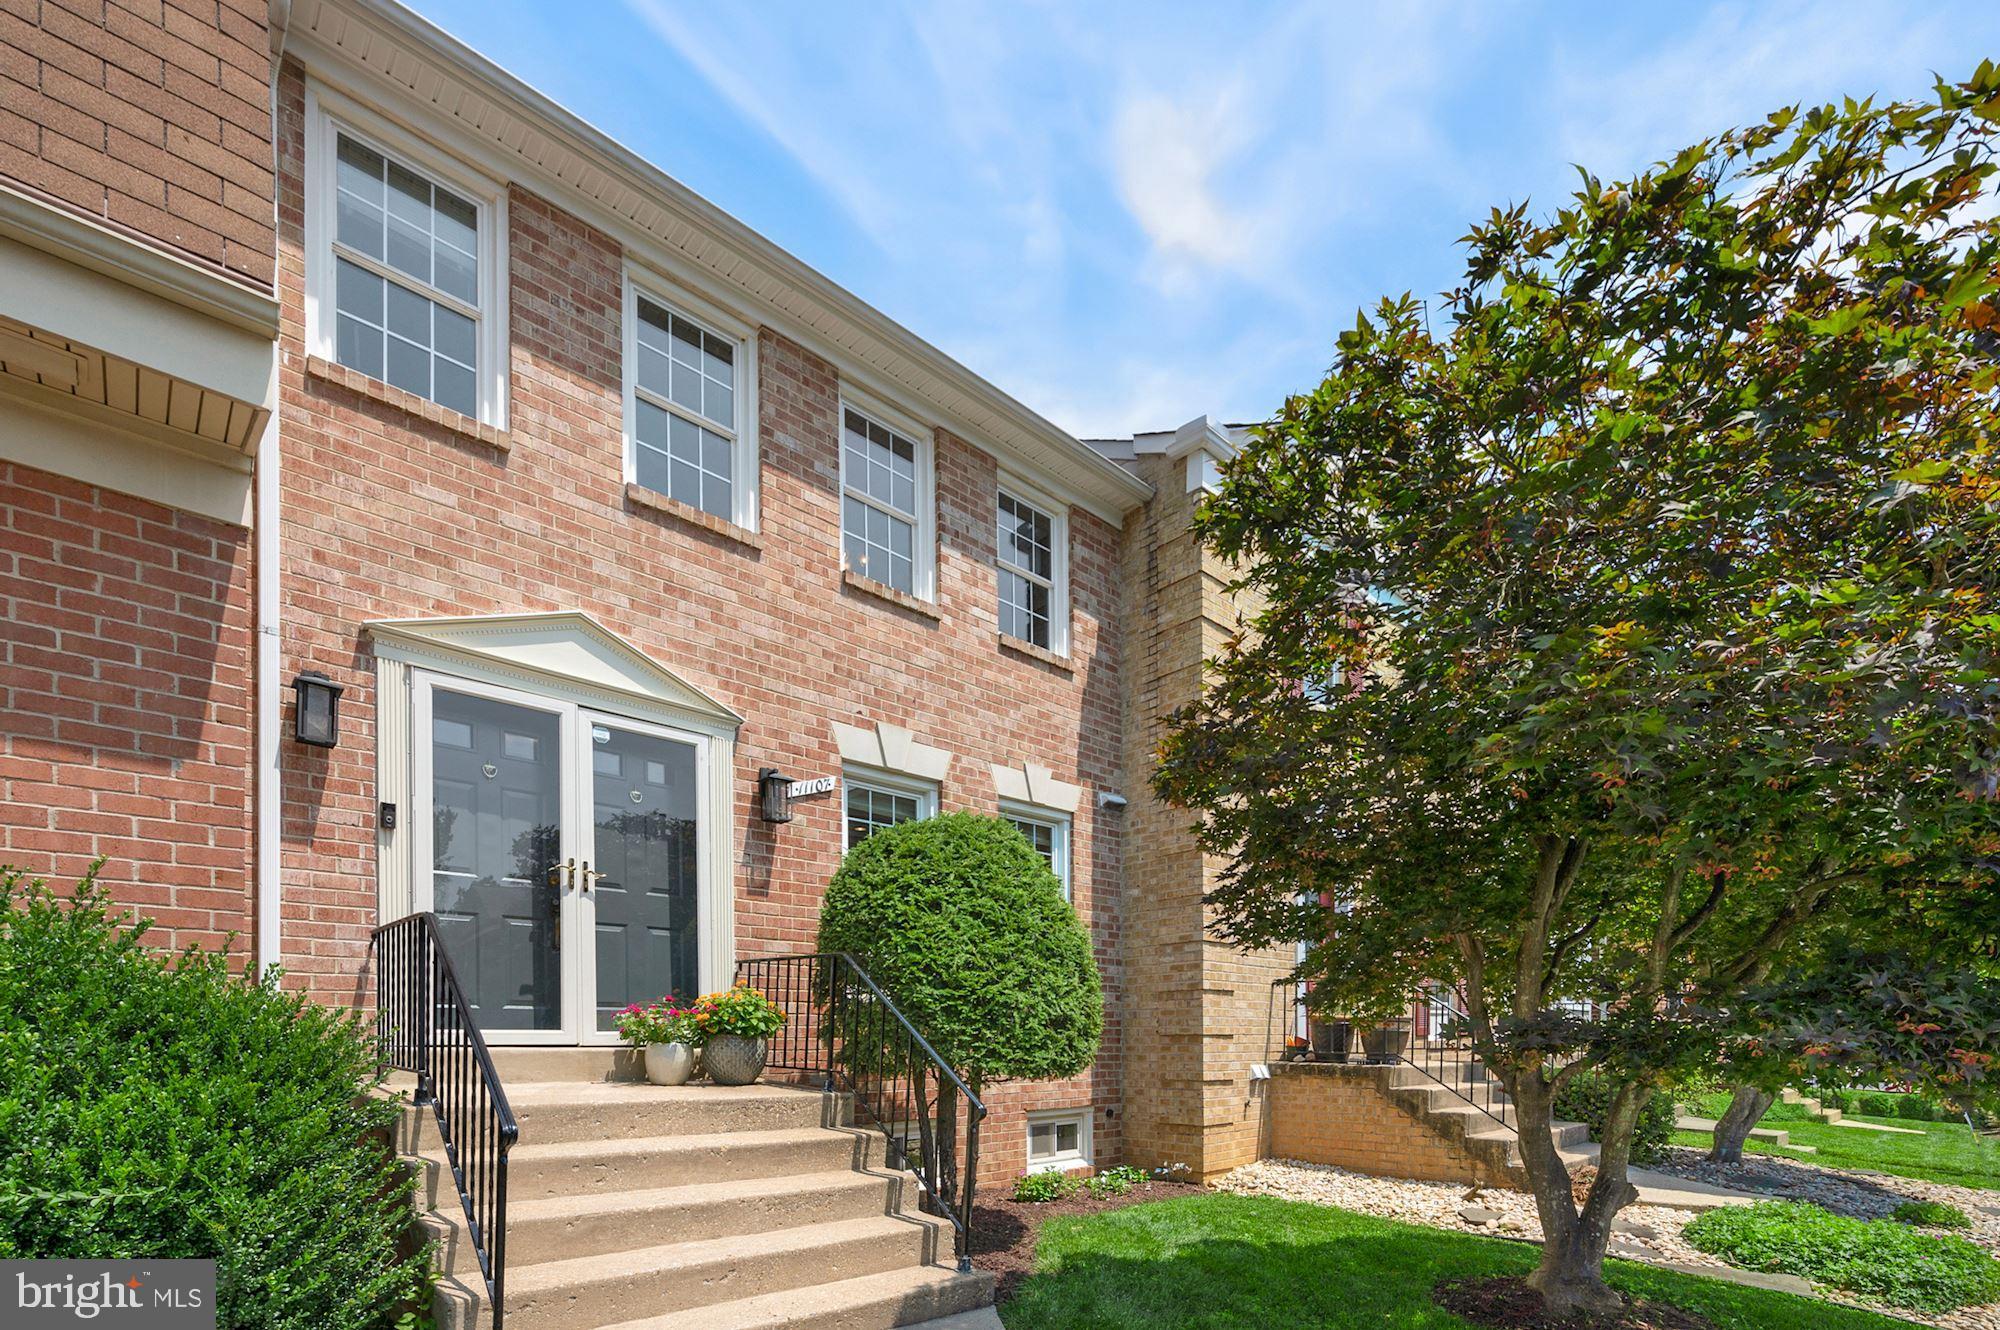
pixel 564 1227
pixel 589 1167
pixel 551 1111
pixel 523 1065
pixel 913 1297
pixel 613 1287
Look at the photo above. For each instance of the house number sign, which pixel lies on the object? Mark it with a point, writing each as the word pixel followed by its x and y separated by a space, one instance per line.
pixel 806 789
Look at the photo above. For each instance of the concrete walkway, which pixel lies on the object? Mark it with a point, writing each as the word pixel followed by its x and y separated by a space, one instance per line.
pixel 1878 1126
pixel 1664 1189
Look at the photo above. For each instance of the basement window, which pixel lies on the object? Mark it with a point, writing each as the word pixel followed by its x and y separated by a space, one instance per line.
pixel 1059 1140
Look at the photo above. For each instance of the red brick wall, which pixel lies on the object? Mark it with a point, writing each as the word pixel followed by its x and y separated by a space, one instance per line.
pixel 152 115
pixel 125 702
pixel 389 515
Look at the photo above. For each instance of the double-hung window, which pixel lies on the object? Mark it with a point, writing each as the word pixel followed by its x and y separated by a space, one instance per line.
pixel 876 800
pixel 885 503
pixel 1030 560
pixel 1049 834
pixel 403 280
pixel 690 408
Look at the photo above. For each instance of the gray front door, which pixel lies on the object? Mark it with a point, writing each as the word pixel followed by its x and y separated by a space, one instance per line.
pixel 497 827
pixel 645 831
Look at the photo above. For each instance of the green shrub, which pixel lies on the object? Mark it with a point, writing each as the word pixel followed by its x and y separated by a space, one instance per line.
pixel 1916 1108
pixel 1876 1104
pixel 1931 1214
pixel 964 926
pixel 1883 1259
pixel 1036 1188
pixel 1115 1181
pixel 1586 1098
pixel 164 1107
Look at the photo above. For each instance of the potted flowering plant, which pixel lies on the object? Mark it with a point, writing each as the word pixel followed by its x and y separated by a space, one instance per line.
pixel 666 1031
pixel 731 1027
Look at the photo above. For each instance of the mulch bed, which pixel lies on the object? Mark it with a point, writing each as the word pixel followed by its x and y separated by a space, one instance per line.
pixel 1004 1231
pixel 1508 1303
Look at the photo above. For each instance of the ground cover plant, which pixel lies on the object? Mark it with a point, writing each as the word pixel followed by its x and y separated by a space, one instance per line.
pixel 1881 1258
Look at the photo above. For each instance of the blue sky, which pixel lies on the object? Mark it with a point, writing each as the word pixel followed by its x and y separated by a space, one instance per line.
pixel 1129 214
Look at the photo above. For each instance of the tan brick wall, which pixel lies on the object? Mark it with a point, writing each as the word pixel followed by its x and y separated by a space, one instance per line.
pixel 1342 1115
pixel 1199 1012
pixel 153 116
pixel 387 515
pixel 125 709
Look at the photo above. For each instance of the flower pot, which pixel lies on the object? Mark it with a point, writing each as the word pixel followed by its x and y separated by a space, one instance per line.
pixel 732 1059
pixel 1385 1044
pixel 1332 1040
pixel 669 1064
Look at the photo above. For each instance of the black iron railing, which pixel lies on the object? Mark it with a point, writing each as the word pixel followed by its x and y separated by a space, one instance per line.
pixel 424 1024
pixel 843 1031
pixel 1434 1038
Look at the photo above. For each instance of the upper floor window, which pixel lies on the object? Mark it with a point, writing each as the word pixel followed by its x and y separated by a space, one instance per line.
pixel 690 407
pixel 1033 543
pixel 403 282
pixel 885 503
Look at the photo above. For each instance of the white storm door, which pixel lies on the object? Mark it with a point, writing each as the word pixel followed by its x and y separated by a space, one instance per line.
pixel 643 857
pixel 495 780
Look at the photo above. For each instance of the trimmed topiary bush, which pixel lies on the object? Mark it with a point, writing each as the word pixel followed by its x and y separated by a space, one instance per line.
pixel 161 1106
pixel 963 925
pixel 1586 1098
pixel 1882 1259
pixel 1931 1214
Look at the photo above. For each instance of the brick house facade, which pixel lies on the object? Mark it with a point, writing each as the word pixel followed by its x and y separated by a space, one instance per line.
pixel 168 564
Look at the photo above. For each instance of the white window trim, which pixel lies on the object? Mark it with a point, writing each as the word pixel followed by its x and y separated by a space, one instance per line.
pixel 1078 1158
pixel 1047 817
pixel 745 452
pixel 923 551
pixel 1058 514
pixel 329 115
pixel 925 792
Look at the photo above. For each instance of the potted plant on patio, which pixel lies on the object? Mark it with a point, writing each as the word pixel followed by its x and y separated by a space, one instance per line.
pixel 732 1027
pixel 665 1032
pixel 1385 1030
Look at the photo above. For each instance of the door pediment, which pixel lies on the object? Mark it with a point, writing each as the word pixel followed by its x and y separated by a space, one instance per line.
pixel 566 647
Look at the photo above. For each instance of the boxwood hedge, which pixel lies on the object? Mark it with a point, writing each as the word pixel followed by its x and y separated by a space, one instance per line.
pixel 156 1105
pixel 963 925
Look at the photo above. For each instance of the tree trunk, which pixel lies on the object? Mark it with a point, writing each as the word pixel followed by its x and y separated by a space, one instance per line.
pixel 1571 1275
pixel 1746 1109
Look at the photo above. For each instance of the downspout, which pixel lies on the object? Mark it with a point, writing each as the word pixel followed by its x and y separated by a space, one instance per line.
pixel 270 704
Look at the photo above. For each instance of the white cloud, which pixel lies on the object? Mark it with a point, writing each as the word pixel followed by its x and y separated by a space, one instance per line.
pixel 1167 156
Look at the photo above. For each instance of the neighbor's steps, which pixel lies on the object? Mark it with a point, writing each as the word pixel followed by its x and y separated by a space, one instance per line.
pixel 639 1207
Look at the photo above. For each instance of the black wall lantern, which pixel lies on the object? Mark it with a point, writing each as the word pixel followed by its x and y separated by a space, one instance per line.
pixel 316 718
pixel 774 791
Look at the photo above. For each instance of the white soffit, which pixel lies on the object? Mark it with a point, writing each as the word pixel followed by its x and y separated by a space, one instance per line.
pixel 565 645
pixel 891 748
pixel 519 134
pixel 1033 783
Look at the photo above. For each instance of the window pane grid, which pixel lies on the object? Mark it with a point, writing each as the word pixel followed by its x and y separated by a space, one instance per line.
pixel 682 460
pixel 869 810
pixel 406 259
pixel 1026 560
pixel 685 366
pixel 879 508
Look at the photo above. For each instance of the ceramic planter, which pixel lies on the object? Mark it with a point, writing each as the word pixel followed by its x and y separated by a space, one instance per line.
pixel 669 1064
pixel 1332 1040
pixel 732 1059
pixel 1385 1044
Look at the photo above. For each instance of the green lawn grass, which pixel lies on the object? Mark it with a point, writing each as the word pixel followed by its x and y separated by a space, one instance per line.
pixel 1217 1262
pixel 1946 1152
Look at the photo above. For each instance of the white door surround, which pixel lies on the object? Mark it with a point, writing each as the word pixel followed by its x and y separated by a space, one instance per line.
pixel 568 664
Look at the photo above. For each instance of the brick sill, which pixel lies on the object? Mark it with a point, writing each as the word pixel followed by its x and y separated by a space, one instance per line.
pixel 422 408
pixel 1023 647
pixel 868 586
pixel 638 496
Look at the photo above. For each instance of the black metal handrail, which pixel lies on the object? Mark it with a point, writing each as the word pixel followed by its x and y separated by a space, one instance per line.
pixel 424 1024
pixel 1442 1053
pixel 843 1028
